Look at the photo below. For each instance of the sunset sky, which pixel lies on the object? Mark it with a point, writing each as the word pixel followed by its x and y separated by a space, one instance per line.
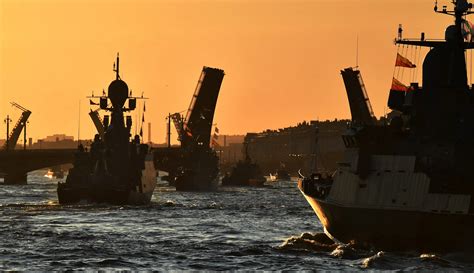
pixel 282 58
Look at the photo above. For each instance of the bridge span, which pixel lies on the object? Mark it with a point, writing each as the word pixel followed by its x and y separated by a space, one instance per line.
pixel 15 164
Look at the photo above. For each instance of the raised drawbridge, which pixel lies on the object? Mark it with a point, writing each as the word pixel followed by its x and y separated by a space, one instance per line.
pixel 194 165
pixel 98 122
pixel 15 133
pixel 361 109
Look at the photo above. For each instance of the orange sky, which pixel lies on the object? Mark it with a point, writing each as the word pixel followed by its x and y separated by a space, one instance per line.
pixel 281 57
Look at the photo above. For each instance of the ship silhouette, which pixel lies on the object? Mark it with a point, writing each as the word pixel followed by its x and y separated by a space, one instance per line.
pixel 245 172
pixel 116 169
pixel 408 183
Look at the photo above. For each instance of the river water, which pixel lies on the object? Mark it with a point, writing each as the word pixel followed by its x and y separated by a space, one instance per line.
pixel 232 229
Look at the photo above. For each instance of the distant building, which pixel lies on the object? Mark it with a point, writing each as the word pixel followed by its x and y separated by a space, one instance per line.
pixel 226 140
pixel 308 146
pixel 58 137
pixel 229 149
pixel 58 141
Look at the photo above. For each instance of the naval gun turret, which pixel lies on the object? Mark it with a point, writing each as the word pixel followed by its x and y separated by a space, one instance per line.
pixel 117 169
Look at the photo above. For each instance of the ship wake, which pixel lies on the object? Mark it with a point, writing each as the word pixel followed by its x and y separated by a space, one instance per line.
pixel 319 242
pixel 363 258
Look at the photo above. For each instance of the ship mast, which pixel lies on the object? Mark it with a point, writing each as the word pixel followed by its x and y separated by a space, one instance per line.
pixel 461 8
pixel 117 67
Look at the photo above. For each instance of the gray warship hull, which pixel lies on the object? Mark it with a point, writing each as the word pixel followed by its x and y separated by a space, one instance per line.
pixel 393 229
pixel 196 183
pixel 116 196
pixel 103 189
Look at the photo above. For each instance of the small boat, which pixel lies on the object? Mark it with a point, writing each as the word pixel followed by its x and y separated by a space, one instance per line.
pixel 272 177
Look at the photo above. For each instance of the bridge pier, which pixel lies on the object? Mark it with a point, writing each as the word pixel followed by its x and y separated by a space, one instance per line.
pixel 15 178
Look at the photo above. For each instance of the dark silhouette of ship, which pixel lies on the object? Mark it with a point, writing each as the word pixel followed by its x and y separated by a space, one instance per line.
pixel 407 184
pixel 283 175
pixel 194 165
pixel 116 169
pixel 244 173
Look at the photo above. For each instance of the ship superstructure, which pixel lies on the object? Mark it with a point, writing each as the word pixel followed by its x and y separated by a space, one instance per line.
pixel 245 172
pixel 408 183
pixel 117 169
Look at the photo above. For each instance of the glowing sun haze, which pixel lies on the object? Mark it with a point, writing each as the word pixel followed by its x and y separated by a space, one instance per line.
pixel 281 57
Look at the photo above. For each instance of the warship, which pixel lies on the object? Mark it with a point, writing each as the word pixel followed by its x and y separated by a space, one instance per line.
pixel 282 174
pixel 407 184
pixel 116 169
pixel 198 171
pixel 244 173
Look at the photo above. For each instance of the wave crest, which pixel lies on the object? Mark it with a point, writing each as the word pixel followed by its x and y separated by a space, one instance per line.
pixel 309 242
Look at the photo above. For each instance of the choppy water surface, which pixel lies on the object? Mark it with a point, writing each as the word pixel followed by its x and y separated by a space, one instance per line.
pixel 271 228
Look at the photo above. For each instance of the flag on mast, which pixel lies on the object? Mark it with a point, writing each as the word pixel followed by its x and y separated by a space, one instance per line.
pixel 467 29
pixel 404 62
pixel 399 86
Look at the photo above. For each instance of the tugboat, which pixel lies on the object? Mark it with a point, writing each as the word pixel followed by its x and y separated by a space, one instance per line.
pixel 408 184
pixel 245 173
pixel 116 170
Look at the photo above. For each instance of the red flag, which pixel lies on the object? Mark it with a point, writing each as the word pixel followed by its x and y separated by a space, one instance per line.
pixel 398 86
pixel 403 62
pixel 467 29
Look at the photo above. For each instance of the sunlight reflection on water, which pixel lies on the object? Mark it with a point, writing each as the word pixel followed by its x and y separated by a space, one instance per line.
pixel 234 228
